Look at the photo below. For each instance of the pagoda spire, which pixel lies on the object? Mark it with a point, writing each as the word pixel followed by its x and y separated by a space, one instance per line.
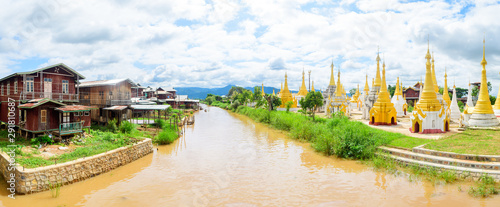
pixel 332 79
pixel 367 89
pixel 397 91
pixel 446 97
pixel 312 87
pixel 434 80
pixel 483 104
pixel 338 91
pixel 428 98
pixel 263 89
pixel 377 76
pixel 303 89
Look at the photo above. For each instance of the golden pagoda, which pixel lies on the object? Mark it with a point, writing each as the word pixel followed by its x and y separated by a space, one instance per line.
pixel 332 79
pixel 286 96
pixel 383 111
pixel 446 97
pixel 312 87
pixel 263 94
pixel 273 92
pixel 429 115
pixel 496 107
pixel 303 90
pixel 434 81
pixel 366 89
pixel 483 114
pixel 329 92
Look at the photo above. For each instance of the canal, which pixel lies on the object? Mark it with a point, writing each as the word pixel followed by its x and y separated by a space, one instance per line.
pixel 226 159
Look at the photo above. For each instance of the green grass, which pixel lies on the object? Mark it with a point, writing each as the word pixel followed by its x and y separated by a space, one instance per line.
pixel 168 135
pixel 485 187
pixel 471 141
pixel 408 142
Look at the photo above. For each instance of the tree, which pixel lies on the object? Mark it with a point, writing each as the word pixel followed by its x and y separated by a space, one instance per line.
pixel 218 98
pixel 209 100
pixel 312 101
pixel 352 91
pixel 273 101
pixel 288 105
pixel 257 93
pixel 492 99
pixel 461 106
pixel 246 96
pixel 461 92
pixel 391 89
pixel 235 89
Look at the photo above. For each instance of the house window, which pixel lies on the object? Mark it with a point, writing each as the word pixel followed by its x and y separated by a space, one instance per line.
pixel 87 113
pixel 30 84
pixel 43 116
pixel 65 85
pixel 65 117
pixel 77 113
pixel 8 88
pixel 15 87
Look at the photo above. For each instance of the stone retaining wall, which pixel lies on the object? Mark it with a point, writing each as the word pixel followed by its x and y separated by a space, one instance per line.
pixel 37 179
pixel 484 158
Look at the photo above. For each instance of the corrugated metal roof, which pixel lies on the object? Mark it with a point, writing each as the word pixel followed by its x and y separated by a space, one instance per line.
pixel 73 108
pixel 37 102
pixel 44 68
pixel 150 107
pixel 116 108
pixel 105 82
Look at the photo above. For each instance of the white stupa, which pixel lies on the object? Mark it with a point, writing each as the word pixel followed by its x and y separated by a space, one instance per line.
pixel 454 109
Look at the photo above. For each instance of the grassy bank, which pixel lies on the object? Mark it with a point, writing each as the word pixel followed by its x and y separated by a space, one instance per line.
pixel 41 151
pixel 334 136
pixel 481 142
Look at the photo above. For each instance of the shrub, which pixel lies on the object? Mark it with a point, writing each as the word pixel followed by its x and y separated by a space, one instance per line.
pixel 126 127
pixel 354 140
pixel 167 136
pixel 112 125
pixel 45 139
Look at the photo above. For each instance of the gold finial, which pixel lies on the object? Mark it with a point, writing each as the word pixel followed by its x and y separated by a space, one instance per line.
pixel 332 79
pixel 483 62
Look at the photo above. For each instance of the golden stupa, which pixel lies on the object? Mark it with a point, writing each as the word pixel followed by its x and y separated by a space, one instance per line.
pixel 434 81
pixel 303 90
pixel 286 96
pixel 383 111
pixel 429 116
pixel 263 94
pixel 446 97
pixel 483 114
pixel 312 87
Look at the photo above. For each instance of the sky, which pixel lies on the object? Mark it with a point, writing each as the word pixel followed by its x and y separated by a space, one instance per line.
pixel 213 43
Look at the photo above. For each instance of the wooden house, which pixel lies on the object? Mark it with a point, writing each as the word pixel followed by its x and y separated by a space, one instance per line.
pixel 109 99
pixel 56 85
pixel 46 115
pixel 148 92
pixel 137 91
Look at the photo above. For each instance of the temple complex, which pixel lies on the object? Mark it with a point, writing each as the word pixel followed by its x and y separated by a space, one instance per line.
pixel 483 114
pixel 429 116
pixel 286 96
pixel 383 111
pixel 373 94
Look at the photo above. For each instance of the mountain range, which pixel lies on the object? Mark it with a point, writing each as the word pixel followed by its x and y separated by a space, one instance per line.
pixel 201 93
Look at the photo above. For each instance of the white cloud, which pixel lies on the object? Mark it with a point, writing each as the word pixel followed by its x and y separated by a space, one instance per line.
pixel 211 44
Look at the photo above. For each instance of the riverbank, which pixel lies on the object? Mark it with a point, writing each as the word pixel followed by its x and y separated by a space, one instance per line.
pixel 354 140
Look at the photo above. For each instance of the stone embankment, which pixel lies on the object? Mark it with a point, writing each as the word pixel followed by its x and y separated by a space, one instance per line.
pixel 464 165
pixel 39 179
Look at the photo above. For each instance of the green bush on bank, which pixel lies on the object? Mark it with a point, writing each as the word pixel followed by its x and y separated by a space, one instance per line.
pixel 168 135
pixel 335 136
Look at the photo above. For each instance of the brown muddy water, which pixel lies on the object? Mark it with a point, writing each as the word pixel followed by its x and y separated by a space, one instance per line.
pixel 226 159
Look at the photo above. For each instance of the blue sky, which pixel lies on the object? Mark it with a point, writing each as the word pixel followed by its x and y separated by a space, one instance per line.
pixel 219 42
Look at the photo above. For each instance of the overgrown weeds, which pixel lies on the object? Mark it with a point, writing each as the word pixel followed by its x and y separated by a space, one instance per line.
pixel 486 186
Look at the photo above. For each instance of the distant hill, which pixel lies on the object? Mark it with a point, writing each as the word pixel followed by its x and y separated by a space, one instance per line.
pixel 201 93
